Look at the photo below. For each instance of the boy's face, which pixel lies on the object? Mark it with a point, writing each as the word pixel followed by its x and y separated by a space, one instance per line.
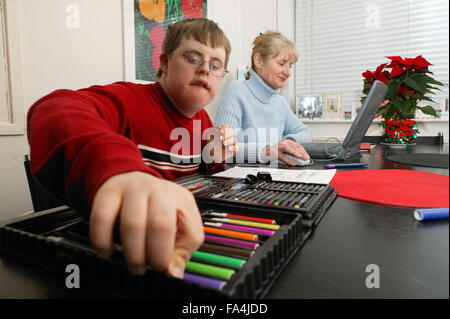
pixel 190 88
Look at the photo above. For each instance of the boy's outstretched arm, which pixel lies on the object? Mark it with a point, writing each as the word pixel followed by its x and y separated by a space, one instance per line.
pixel 83 146
pixel 160 224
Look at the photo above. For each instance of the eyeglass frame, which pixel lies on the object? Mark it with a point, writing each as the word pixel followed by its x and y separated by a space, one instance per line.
pixel 201 64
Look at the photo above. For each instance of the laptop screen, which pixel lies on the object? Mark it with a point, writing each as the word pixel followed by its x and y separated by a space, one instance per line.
pixel 366 115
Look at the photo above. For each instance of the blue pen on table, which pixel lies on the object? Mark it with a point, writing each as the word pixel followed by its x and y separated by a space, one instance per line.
pixel 422 214
pixel 348 165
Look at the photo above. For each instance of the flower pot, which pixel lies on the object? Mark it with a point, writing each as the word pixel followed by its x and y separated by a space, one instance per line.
pixel 400 132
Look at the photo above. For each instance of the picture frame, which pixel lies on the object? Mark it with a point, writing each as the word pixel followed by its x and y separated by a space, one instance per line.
pixel 332 105
pixel 309 106
pixel 144 28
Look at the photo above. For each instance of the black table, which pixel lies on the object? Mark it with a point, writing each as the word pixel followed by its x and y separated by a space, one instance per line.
pixel 412 257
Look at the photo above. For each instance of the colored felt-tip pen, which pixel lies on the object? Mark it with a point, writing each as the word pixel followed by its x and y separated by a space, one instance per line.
pixel 345 165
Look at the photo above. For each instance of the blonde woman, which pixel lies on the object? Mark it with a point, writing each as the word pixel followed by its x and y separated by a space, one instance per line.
pixel 265 126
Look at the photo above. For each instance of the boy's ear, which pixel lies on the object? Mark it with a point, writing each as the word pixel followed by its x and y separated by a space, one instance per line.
pixel 164 61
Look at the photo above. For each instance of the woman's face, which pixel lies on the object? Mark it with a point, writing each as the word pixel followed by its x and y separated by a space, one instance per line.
pixel 274 71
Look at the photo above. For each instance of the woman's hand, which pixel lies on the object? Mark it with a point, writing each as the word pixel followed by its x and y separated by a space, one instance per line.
pixel 270 153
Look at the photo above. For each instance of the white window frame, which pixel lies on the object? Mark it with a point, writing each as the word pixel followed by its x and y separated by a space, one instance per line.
pixel 311 70
pixel 13 123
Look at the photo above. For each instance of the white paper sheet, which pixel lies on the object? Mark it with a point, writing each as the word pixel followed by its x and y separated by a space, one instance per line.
pixel 283 175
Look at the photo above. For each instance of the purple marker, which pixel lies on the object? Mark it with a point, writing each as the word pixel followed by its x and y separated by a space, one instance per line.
pixel 204 281
pixel 229 241
pixel 349 165
pixel 252 230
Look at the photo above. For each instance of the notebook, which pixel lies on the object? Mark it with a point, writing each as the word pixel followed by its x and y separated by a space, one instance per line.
pixel 352 141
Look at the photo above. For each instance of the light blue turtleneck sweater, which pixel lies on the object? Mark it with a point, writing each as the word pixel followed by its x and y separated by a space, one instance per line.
pixel 259 116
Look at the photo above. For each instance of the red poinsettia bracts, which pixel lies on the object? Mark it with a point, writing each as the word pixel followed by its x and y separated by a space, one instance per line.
pixel 367 75
pixel 405 90
pixel 400 65
pixel 379 74
pixel 409 81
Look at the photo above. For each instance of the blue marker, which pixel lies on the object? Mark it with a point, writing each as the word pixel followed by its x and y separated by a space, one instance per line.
pixel 349 165
pixel 430 213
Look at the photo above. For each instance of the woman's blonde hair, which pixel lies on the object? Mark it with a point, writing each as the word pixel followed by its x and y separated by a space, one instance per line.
pixel 271 44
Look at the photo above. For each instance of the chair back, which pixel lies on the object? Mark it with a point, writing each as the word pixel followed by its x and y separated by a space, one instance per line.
pixel 42 199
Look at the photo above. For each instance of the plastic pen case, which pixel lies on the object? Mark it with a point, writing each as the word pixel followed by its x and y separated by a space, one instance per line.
pixel 227 265
pixel 309 200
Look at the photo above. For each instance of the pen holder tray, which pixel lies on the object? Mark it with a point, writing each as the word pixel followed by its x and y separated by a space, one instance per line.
pixel 309 200
pixel 55 238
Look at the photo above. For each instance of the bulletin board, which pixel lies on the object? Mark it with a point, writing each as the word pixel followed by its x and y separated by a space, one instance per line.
pixel 145 25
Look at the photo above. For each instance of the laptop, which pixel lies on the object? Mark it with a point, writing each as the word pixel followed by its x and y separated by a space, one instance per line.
pixel 355 135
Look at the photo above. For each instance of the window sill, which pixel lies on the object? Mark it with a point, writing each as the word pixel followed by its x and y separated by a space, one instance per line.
pixel 322 129
pixel 319 120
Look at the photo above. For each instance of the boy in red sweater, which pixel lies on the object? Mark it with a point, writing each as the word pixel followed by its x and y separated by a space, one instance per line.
pixel 108 150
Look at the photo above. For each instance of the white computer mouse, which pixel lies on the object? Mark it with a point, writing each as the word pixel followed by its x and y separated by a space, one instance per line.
pixel 298 161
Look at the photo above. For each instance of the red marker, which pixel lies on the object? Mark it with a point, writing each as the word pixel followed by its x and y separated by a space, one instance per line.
pixel 261 220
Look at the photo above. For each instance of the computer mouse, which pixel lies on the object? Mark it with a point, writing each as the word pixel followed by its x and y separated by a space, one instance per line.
pixel 298 161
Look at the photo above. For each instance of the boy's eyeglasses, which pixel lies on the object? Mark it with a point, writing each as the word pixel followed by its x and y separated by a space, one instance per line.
pixel 196 61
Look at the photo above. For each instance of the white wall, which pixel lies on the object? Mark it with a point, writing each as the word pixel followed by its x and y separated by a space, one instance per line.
pixel 242 21
pixel 54 56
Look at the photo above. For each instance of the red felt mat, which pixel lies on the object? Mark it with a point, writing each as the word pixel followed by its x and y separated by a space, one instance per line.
pixel 395 187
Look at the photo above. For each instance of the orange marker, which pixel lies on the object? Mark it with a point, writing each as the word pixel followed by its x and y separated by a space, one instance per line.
pixel 230 233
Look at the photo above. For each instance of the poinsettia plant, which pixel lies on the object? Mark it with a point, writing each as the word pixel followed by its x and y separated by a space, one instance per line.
pixel 409 81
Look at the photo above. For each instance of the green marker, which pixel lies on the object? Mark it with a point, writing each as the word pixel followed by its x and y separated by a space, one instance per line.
pixel 213 271
pixel 219 259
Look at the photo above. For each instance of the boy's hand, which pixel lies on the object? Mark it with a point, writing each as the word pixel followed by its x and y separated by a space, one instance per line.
pixel 221 144
pixel 229 140
pixel 286 146
pixel 160 224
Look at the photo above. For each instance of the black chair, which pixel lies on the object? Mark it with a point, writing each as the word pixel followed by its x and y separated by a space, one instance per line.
pixel 41 198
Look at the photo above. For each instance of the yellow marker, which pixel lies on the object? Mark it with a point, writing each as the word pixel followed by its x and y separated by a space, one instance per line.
pixel 247 223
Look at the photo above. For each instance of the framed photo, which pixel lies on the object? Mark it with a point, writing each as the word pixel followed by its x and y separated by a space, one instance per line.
pixel 145 23
pixel 332 105
pixel 309 107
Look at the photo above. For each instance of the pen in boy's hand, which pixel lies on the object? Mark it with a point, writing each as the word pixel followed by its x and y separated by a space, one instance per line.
pixel 348 165
pixel 228 138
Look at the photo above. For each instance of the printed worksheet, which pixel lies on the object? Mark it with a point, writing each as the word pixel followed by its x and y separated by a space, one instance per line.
pixel 282 175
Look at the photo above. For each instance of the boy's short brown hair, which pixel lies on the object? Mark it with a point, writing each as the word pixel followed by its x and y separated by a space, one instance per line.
pixel 202 30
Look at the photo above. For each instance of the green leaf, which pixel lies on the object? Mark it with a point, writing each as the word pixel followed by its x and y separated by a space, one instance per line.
pixel 428 109
pixel 411 108
pixel 382 110
pixel 433 81
pixel 430 88
pixel 425 98
pixel 367 86
pixel 418 82
pixel 393 88
pixel 405 106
